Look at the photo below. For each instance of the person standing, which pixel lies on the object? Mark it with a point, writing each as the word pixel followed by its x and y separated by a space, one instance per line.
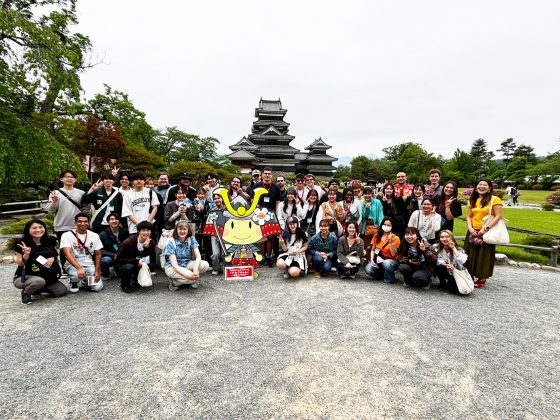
pixel 401 188
pixel 162 186
pixel 482 256
pixel 310 185
pixel 82 250
pixel 269 201
pixel 211 184
pixel 105 199
pixel 281 182
pixel 140 203
pixel 372 215
pixel 434 190
pixel 66 202
pixel 184 183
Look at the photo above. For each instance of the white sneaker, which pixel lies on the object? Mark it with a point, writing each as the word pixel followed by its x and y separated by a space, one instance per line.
pixel 286 275
pixel 214 273
pixel 74 288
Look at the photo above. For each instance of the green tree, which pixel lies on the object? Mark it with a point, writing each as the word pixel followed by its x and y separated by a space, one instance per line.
pixel 136 157
pixel 507 149
pixel 461 168
pixel 116 107
pixel 342 172
pixel 359 167
pixel 526 151
pixel 40 57
pixel 516 169
pixel 482 156
pixel 175 145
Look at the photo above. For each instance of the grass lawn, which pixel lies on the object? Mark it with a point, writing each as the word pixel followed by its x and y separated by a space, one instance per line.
pixel 535 220
pixel 527 196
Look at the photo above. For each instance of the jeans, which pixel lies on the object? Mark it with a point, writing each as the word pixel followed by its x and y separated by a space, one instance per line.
pixel 106 263
pixel 386 270
pixel 320 265
pixel 90 270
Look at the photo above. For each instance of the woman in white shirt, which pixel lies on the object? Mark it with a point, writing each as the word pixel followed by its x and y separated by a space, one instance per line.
pixel 427 221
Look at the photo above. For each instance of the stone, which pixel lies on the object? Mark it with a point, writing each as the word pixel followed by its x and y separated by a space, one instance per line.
pixel 8 259
pixel 524 264
pixel 536 266
pixel 512 263
pixel 501 259
pixel 550 268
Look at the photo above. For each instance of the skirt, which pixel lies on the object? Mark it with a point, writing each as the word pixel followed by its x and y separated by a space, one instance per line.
pixel 481 259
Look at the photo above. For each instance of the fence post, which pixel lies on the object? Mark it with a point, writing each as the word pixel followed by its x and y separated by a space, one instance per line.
pixel 554 255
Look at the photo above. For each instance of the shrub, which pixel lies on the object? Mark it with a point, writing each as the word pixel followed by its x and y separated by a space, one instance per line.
pixel 539 240
pixel 499 193
pixel 554 198
pixel 536 187
pixel 555 188
pixel 17 227
pixel 521 187
pixel 468 192
pixel 548 207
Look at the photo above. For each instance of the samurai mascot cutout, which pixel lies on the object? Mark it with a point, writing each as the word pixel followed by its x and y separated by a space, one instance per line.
pixel 239 229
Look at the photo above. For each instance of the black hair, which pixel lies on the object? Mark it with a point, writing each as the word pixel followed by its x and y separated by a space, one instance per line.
pixel 405 246
pixel 299 233
pixel 293 192
pixel 26 237
pixel 111 215
pixel 137 175
pixel 68 171
pixel 486 198
pixel 82 214
pixel 380 232
pixel 145 225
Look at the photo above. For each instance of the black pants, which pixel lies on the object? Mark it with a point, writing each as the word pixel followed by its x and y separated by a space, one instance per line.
pixel 415 275
pixel 446 279
pixel 61 253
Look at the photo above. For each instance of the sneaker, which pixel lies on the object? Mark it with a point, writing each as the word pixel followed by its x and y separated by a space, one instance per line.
pixel 214 272
pixel 317 274
pixel 105 278
pixel 426 287
pixel 172 286
pixel 25 298
pixel 63 277
pixel 286 275
pixel 352 276
pixel 333 269
pixel 194 286
pixel 74 288
pixel 480 284
pixel 405 285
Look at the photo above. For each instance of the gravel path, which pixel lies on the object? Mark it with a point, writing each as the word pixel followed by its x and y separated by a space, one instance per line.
pixel 313 348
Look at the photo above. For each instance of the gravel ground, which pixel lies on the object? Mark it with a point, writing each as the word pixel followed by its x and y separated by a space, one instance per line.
pixel 274 348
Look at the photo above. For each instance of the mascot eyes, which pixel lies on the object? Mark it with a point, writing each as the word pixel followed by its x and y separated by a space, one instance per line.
pixel 250 225
pixel 232 225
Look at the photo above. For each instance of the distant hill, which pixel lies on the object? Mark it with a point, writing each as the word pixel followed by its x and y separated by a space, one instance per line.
pixel 345 160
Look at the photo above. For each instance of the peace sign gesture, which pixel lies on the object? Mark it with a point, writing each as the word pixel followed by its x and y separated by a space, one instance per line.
pixel 115 171
pixel 24 248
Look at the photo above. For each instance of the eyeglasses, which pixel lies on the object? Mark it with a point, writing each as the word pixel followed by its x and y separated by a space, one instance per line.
pixel 256 176
pixel 299 181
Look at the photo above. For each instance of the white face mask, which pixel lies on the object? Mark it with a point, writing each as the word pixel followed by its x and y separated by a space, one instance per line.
pixel 386 228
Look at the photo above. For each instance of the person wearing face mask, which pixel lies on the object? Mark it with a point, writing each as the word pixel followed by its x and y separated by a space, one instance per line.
pixel 416 260
pixel 105 199
pixel 372 215
pixel 427 221
pixel 384 251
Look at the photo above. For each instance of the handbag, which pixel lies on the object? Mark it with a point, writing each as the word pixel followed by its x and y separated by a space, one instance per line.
pixel 498 234
pixel 144 276
pixel 371 229
pixel 464 281
pixel 166 234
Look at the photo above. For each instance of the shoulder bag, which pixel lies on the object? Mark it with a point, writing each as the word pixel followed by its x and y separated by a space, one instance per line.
pixel 464 281
pixel 498 234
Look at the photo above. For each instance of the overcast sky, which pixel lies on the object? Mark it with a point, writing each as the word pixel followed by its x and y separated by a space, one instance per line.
pixel 363 75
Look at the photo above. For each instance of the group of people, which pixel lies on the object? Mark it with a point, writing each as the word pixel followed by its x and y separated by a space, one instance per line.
pixel 133 228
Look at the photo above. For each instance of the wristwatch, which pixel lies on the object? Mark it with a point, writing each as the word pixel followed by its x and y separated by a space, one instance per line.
pixel 486 228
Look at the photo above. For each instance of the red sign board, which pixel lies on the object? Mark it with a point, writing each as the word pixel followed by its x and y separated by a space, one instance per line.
pixel 242 272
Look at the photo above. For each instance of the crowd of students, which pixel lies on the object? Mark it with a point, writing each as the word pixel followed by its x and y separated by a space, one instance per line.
pixel 140 226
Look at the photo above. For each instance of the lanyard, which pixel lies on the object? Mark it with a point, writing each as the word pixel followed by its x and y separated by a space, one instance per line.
pixel 81 245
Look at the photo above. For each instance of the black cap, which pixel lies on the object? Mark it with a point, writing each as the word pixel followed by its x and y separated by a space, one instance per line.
pixel 183 175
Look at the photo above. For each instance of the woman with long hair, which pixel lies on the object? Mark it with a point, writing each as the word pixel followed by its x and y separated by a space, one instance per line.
pixel 351 209
pixel 332 212
pixel 293 242
pixel 414 201
pixel 287 207
pixel 307 213
pixel 393 207
pixel 427 221
pixel 449 206
pixel 350 250
pixel 482 256
pixel 416 259
pixel 384 252
pixel 38 270
pixel 449 257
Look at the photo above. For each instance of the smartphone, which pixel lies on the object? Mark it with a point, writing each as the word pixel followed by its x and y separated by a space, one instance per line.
pixel 41 260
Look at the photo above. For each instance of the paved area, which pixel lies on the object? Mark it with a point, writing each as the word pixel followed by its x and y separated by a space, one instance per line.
pixel 274 348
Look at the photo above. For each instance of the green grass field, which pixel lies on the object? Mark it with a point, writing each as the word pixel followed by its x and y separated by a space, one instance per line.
pixel 535 220
pixel 527 196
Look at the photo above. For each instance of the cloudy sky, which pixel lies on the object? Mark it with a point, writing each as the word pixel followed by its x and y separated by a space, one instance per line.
pixel 363 75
